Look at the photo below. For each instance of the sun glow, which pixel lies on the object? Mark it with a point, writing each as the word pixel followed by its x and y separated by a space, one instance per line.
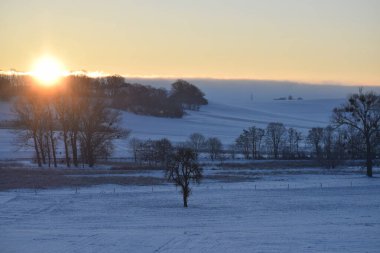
pixel 48 71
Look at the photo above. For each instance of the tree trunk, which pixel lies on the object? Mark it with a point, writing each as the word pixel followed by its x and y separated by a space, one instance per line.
pixel 253 150
pixel 41 146
pixel 275 151
pixel 90 154
pixel 48 150
pixel 66 148
pixel 37 150
pixel 74 149
pixel 184 200
pixel 185 195
pixel 53 148
pixel 369 158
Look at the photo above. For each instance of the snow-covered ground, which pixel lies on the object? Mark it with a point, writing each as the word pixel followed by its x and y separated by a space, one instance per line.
pixel 342 216
pixel 234 105
pixel 233 210
pixel 224 120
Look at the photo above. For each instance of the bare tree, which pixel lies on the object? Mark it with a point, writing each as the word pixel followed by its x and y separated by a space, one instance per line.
pixel 147 152
pixel 362 112
pixel 249 142
pixel 61 107
pixel 164 150
pixel 275 133
pixel 332 145
pixel 197 142
pixel 214 147
pixel 36 118
pixel 254 136
pixel 232 151
pixel 29 113
pixel 355 144
pixel 135 144
pixel 259 135
pixel 298 139
pixel 183 169
pixel 315 138
pixel 243 145
pixel 77 108
pixel 291 142
pixel 99 126
pixel 51 134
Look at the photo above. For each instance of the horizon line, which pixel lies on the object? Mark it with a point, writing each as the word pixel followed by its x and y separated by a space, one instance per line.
pixel 99 74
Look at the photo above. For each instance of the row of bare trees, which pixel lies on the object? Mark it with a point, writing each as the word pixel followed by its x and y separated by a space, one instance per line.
pixel 276 140
pixel 353 134
pixel 151 152
pixel 328 145
pixel 82 124
pixel 157 152
pixel 10 85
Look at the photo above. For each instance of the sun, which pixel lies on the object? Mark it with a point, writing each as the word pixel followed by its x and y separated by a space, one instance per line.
pixel 47 70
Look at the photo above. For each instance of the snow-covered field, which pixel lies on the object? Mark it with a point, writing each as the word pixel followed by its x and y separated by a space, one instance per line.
pixel 226 121
pixel 233 210
pixel 342 216
pixel 222 119
pixel 233 106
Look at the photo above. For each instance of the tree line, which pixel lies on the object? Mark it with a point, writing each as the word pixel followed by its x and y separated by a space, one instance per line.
pixel 136 98
pixel 11 85
pixel 158 152
pixel 80 115
pixel 353 134
pixel 82 122
pixel 159 102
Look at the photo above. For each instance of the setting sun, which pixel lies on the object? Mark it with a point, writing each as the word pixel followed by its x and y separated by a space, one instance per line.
pixel 48 71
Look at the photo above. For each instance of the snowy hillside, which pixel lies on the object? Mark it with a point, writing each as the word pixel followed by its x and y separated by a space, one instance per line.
pixel 233 106
pixel 226 121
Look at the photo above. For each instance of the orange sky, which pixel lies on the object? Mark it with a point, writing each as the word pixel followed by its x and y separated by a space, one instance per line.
pixel 311 40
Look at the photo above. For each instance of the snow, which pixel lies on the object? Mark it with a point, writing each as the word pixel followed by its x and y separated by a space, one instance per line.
pixel 233 210
pixel 218 119
pixel 230 110
pixel 227 121
pixel 342 216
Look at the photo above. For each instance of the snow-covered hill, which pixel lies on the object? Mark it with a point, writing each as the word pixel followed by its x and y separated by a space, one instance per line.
pixel 226 121
pixel 233 106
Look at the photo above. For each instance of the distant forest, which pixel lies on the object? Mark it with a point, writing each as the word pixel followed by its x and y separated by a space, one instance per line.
pixel 132 97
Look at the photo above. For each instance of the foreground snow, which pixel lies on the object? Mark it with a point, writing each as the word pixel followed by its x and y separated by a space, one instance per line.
pixel 342 216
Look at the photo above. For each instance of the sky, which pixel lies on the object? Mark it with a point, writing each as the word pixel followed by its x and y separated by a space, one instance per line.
pixel 325 41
